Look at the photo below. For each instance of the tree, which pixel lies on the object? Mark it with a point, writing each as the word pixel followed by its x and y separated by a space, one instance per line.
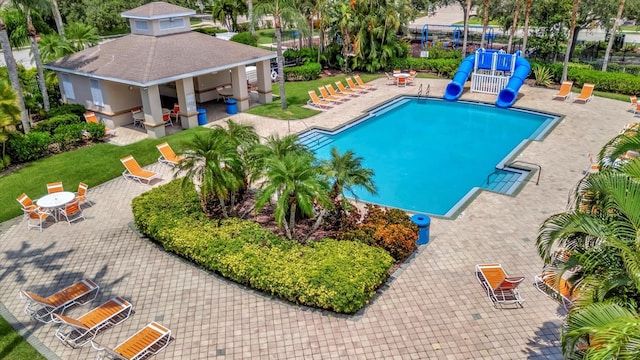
pixel 227 11
pixel 612 37
pixel 213 167
pixel 345 172
pixel 28 6
pixel 514 25
pixel 283 11
pixel 485 22
pixel 53 47
pixel 609 330
pixel 574 15
pixel 57 17
pixel 525 36
pixel 81 36
pixel 467 10
pixel 297 185
pixel 9 116
pixel 12 69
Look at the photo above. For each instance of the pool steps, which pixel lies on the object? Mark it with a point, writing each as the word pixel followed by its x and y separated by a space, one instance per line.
pixel 314 140
pixel 505 181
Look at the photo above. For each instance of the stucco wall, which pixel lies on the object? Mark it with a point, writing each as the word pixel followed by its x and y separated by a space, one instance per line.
pixel 205 85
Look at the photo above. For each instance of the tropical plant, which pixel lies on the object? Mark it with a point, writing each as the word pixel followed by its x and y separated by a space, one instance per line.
pixel 81 36
pixel 53 47
pixel 28 6
pixel 12 69
pixel 227 11
pixel 213 166
pixel 542 75
pixel 283 11
pixel 345 171
pixel 9 116
pixel 297 185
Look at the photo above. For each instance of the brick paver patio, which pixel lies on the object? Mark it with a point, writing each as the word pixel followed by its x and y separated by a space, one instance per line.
pixel 433 309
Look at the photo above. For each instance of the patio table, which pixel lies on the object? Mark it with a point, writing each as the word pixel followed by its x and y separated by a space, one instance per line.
pixel 54 202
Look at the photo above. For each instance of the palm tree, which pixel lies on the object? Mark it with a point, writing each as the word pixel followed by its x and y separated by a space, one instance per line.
pixel 467 10
pixel 609 331
pixel 213 167
pixel 485 22
pixel 27 6
pixel 612 37
pixel 297 185
pixel 283 11
pixel 346 172
pixel 53 47
pixel 227 12
pixel 9 116
pixel 514 26
pixel 12 69
pixel 81 36
pixel 574 15
pixel 525 36
pixel 57 18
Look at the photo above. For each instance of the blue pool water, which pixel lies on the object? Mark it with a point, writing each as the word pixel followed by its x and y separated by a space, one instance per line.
pixel 427 156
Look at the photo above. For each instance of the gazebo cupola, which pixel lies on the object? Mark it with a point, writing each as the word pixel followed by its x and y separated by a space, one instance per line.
pixel 158 19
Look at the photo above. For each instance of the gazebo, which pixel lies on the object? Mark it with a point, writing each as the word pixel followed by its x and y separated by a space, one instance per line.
pixel 161 57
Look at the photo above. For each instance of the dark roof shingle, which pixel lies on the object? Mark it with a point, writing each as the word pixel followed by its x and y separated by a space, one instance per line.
pixel 148 60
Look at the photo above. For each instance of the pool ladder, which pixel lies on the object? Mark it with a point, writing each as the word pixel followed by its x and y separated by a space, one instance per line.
pixel 426 93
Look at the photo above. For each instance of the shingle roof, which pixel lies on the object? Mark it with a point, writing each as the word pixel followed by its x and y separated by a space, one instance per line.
pixel 148 60
pixel 157 9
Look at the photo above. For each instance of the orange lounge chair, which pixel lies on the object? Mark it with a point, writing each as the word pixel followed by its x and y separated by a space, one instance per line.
pixel 146 342
pixel 634 101
pixel 344 90
pixel 355 87
pixel 333 92
pixel 316 102
pixel 330 98
pixel 565 91
pixel 168 156
pixel 556 287
pixel 135 172
pixel 91 117
pixel 78 332
pixel 501 288
pixel 586 94
pixel 41 308
pixel 363 84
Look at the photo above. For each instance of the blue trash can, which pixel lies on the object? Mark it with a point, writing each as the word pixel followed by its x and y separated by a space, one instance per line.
pixel 202 117
pixel 423 222
pixel 232 106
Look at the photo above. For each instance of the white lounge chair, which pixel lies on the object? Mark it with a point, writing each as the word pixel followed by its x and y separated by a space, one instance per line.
pixel 78 332
pixel 501 288
pixel 41 308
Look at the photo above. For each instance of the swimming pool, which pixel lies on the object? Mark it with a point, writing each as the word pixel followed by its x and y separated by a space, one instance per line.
pixel 431 156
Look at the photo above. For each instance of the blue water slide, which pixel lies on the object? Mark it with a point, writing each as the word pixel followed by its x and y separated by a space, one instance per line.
pixel 509 94
pixel 455 87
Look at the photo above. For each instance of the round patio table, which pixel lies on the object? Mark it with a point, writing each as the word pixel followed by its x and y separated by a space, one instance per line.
pixel 55 201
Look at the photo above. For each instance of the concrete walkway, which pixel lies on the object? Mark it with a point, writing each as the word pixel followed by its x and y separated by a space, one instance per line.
pixel 434 309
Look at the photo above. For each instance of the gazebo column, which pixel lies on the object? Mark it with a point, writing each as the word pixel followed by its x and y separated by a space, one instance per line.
pixel 187 102
pixel 152 111
pixel 239 83
pixel 263 70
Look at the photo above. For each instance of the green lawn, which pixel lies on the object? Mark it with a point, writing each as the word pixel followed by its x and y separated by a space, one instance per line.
pixel 13 346
pixel 477 21
pixel 92 165
pixel 297 93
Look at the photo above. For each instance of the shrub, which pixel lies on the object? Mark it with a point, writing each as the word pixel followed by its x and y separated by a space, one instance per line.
pixel 96 131
pixel 64 109
pixel 51 124
pixel 305 72
pixel 29 147
pixel 391 230
pixel 245 38
pixel 210 30
pixel 335 275
pixel 542 75
pixel 441 67
pixel 66 135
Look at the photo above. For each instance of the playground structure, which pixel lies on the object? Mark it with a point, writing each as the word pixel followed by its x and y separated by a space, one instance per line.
pixel 492 72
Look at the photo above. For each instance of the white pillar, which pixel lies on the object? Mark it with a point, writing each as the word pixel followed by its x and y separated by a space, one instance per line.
pixel 239 83
pixel 263 70
pixel 187 102
pixel 152 111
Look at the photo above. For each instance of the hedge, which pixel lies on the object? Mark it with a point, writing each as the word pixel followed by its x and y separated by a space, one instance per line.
pixel 340 276
pixel 305 72
pixel 580 74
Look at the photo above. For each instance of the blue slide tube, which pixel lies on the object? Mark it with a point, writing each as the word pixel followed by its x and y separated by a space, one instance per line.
pixel 455 87
pixel 509 94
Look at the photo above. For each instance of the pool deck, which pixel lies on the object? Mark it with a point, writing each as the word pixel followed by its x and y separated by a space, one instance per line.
pixel 433 309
